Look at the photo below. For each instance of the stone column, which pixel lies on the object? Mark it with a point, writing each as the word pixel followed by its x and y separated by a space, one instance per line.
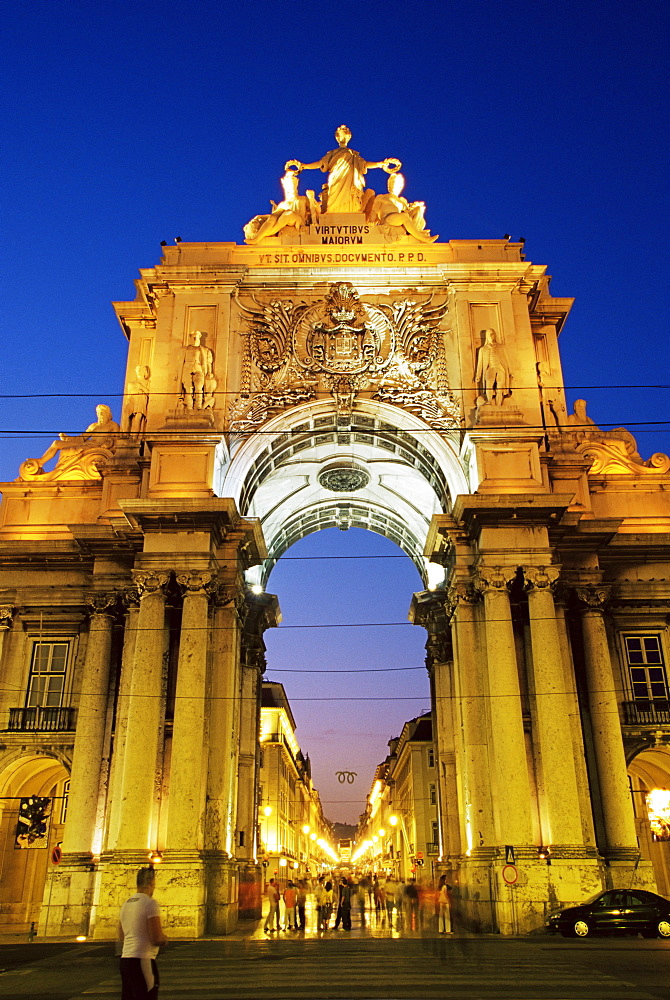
pixel 559 797
pixel 510 762
pixel 471 691
pixel 88 746
pixel 187 769
pixel 224 730
pixel 132 600
pixel 619 821
pixel 144 717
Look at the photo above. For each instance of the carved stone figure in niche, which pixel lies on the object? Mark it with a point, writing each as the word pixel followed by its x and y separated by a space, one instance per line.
pixel 345 189
pixel 138 396
pixel 98 440
pixel 393 210
pixel 293 211
pixel 198 383
pixel 492 375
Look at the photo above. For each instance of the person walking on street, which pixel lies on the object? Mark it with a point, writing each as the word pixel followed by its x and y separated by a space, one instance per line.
pixel 290 896
pixel 272 893
pixel 301 900
pixel 345 904
pixel 320 902
pixel 444 921
pixel 141 934
pixel 328 904
pixel 390 892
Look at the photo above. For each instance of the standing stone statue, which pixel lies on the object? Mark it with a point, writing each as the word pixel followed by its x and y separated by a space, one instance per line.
pixel 492 374
pixel 346 169
pixel 138 397
pixel 198 383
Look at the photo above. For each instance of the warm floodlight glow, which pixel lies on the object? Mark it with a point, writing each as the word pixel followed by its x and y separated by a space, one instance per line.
pixel 393 820
pixel 312 836
pixel 80 937
pixel 658 804
pixel 295 864
pixel 256 588
pixel 306 828
pixel 382 832
pixel 283 862
pixel 267 810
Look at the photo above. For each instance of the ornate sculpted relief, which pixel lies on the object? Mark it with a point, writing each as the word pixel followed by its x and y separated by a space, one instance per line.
pixel 345 346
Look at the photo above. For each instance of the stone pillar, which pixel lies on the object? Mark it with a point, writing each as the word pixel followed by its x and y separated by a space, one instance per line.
pixel 68 896
pixel 619 822
pixel 132 600
pixel 88 746
pixel 559 797
pixel 144 717
pixel 6 619
pixel 187 770
pixel 471 691
pixel 510 762
pixel 224 730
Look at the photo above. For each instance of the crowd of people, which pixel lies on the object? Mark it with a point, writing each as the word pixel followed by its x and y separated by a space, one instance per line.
pixel 409 905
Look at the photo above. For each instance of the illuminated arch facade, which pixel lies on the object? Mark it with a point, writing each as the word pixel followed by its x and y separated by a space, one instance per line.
pixel 295 383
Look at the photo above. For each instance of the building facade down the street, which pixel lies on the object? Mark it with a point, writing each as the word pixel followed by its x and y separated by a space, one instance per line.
pixel 399 831
pixel 341 367
pixel 296 840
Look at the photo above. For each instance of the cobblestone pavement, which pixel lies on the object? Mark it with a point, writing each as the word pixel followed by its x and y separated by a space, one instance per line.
pixel 372 962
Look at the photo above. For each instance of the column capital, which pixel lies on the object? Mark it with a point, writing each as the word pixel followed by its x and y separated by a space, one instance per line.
pixel 463 592
pixel 149 581
pixel 493 579
pixel 130 597
pixel 593 596
pixel 196 581
pixel 100 603
pixel 6 616
pixel 541 577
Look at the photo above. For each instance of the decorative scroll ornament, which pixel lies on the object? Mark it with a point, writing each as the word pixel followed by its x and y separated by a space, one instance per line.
pixel 101 603
pixel 80 457
pixel 194 581
pixel 541 577
pixel 613 457
pixel 493 578
pixel 594 596
pixel 271 329
pixel 6 617
pixel 148 582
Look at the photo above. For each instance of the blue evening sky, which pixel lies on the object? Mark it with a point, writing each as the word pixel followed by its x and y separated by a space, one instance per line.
pixel 127 123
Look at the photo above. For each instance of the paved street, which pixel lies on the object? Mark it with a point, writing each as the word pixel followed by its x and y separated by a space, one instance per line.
pixel 363 965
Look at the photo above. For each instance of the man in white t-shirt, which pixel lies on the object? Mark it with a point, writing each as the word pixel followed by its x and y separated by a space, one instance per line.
pixel 141 933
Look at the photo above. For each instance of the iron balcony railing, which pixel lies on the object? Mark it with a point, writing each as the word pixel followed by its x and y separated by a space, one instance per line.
pixel 41 720
pixel 648 712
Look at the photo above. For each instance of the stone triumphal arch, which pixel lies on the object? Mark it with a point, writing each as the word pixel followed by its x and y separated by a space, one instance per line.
pixel 344 367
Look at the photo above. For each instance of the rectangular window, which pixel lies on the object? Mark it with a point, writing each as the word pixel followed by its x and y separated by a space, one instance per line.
pixel 431 758
pixel 436 832
pixel 645 664
pixel 48 667
pixel 433 795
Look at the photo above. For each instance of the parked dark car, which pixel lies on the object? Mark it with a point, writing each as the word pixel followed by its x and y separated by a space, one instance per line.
pixel 625 911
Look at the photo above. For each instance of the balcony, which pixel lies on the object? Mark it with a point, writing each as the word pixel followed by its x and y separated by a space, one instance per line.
pixel 41 720
pixel 647 712
pixel 432 850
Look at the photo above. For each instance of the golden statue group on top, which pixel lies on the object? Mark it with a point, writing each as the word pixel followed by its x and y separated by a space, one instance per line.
pixel 343 193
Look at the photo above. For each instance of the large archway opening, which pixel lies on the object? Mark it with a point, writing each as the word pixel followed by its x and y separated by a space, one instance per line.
pixel 351 664
pixel 649 776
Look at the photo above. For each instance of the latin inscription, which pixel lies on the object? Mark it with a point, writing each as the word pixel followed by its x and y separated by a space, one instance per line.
pixel 359 257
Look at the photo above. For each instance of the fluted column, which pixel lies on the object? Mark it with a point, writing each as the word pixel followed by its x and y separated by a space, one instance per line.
pixel 224 723
pixel 187 770
pixel 559 798
pixel 89 740
pixel 471 689
pixel 510 763
pixel 144 716
pixel 620 836
pixel 248 755
pixel 132 600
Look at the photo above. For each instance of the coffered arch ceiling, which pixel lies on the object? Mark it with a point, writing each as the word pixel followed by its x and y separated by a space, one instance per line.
pixel 379 468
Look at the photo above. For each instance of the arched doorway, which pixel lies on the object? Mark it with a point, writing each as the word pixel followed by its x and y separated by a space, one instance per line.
pixel 649 775
pixel 29 786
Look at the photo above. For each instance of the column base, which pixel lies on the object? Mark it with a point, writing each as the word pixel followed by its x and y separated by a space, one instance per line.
pixel 485 902
pixel 221 878
pixel 68 898
pixel 630 873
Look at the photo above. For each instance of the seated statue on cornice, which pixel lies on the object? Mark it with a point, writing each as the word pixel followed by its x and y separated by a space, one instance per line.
pixel 393 210
pixel 611 452
pixel 295 211
pixel 78 455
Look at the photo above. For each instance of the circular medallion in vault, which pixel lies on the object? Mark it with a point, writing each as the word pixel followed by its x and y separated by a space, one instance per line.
pixel 343 478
